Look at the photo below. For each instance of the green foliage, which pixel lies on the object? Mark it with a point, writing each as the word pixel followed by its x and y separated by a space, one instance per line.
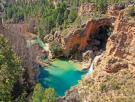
pixel 86 1
pixel 43 95
pixel 38 93
pixel 78 22
pixel 10 69
pixel 101 5
pixel 49 16
pixel 131 11
pixel 49 95
pixel 115 85
pixel 22 97
pixel 103 87
pixel 55 48
pixel 73 15
pixel 115 1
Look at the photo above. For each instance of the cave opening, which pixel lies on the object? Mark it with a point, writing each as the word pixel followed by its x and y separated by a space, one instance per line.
pixel 97 41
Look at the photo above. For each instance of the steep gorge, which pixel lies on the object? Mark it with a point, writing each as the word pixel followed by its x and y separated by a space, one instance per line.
pixel 114 73
pixel 117 49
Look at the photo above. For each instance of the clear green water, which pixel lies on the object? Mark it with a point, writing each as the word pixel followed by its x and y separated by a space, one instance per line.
pixel 61 76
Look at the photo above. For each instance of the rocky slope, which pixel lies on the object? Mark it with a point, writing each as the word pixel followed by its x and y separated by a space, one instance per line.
pixel 114 73
pixel 120 46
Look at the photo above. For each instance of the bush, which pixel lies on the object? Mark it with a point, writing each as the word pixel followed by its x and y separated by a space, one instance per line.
pixel 56 48
pixel 10 69
pixel 115 1
pixel 102 5
pixel 73 15
pixel 43 95
pixel 103 87
pixel 131 11
pixel 49 95
pixel 114 84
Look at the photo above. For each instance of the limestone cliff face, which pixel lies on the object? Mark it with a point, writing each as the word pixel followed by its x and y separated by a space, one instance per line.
pixel 78 39
pixel 114 73
pixel 120 52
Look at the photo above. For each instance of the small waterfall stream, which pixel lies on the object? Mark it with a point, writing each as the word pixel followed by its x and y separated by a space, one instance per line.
pixel 91 69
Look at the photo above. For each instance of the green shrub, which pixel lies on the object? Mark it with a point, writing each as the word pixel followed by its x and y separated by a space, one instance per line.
pixel 103 87
pixel 115 1
pixel 43 95
pixel 72 15
pixel 10 69
pixel 101 5
pixel 131 11
pixel 114 84
pixel 56 48
pixel 49 95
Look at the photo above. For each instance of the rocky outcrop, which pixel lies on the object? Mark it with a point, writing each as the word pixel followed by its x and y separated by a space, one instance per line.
pixel 114 73
pixel 114 10
pixel 79 38
pixel 86 9
pixel 120 51
pixel 53 37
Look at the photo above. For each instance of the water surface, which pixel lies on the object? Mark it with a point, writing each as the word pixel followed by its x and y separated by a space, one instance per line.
pixel 61 76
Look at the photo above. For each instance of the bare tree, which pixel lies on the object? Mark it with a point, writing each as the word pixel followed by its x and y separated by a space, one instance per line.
pixel 27 56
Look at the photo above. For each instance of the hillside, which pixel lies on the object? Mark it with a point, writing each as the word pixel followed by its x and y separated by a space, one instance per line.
pixel 97 37
pixel 114 73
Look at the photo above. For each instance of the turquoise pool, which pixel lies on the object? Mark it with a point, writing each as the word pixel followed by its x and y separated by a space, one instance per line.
pixel 60 75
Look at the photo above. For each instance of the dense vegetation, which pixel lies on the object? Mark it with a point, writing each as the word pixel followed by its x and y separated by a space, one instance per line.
pixel 51 17
pixel 131 11
pixel 43 95
pixel 10 70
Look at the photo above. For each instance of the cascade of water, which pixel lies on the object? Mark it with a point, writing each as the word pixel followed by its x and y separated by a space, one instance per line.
pixel 91 69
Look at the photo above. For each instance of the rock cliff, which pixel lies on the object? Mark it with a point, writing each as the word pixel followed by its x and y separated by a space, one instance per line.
pixel 120 51
pixel 79 38
pixel 114 73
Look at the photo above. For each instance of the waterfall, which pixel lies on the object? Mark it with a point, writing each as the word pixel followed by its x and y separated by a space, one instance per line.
pixel 91 69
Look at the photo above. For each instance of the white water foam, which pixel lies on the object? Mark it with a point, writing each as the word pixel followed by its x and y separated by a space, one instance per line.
pixel 91 69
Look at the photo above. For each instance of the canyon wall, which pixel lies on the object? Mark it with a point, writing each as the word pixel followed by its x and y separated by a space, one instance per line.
pixel 114 73
pixel 120 51
pixel 78 39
